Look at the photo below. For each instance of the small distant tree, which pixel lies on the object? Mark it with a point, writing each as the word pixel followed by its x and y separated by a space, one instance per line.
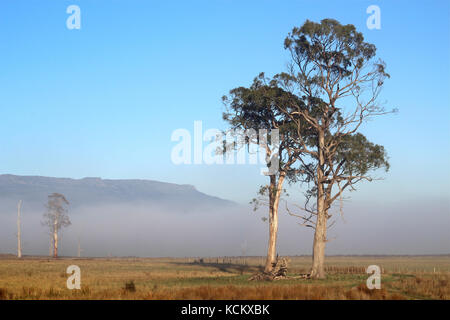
pixel 56 218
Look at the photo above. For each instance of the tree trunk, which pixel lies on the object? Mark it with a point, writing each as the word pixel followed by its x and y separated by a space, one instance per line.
pixel 320 234
pixel 272 238
pixel 271 250
pixel 79 248
pixel 55 242
pixel 19 245
pixel 55 245
pixel 274 200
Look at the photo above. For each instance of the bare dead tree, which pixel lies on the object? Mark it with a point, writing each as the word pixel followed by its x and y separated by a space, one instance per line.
pixel 56 218
pixel 79 248
pixel 19 244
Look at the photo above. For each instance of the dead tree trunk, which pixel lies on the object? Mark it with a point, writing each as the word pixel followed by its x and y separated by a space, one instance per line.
pixel 19 244
pixel 79 248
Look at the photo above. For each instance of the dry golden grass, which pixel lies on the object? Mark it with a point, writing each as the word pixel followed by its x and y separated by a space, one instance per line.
pixel 425 287
pixel 221 278
pixel 274 292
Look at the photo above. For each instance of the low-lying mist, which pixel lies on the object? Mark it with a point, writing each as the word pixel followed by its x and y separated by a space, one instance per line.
pixel 124 230
pixel 151 231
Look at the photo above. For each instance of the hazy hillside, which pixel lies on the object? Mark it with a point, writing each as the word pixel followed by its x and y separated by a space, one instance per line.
pixel 154 219
pixel 33 190
pixel 124 217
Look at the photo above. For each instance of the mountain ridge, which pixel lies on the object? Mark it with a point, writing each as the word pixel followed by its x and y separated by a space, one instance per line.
pixel 98 191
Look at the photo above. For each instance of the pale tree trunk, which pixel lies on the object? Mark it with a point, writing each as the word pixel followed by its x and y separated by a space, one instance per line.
pixel 274 200
pixel 55 244
pixel 55 241
pixel 19 244
pixel 320 234
pixel 79 248
pixel 50 247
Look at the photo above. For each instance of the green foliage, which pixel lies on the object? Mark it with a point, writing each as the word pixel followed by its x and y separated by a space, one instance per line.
pixel 359 155
pixel 259 106
pixel 329 43
pixel 56 216
pixel 330 88
pixel 331 61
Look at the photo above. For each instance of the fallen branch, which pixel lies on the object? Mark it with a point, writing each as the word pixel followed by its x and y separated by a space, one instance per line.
pixel 279 271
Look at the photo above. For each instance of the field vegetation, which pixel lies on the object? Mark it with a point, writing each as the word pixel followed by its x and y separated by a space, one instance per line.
pixel 403 277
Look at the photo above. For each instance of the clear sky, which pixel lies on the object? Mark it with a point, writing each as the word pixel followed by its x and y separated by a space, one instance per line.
pixel 103 100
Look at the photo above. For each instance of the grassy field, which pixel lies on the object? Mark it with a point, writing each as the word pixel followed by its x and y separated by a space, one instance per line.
pixel 403 277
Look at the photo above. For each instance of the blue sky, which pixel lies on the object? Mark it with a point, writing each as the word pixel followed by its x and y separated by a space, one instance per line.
pixel 103 100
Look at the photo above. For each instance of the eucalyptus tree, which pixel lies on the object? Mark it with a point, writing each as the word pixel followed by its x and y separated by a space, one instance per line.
pixel 337 79
pixel 56 218
pixel 254 109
